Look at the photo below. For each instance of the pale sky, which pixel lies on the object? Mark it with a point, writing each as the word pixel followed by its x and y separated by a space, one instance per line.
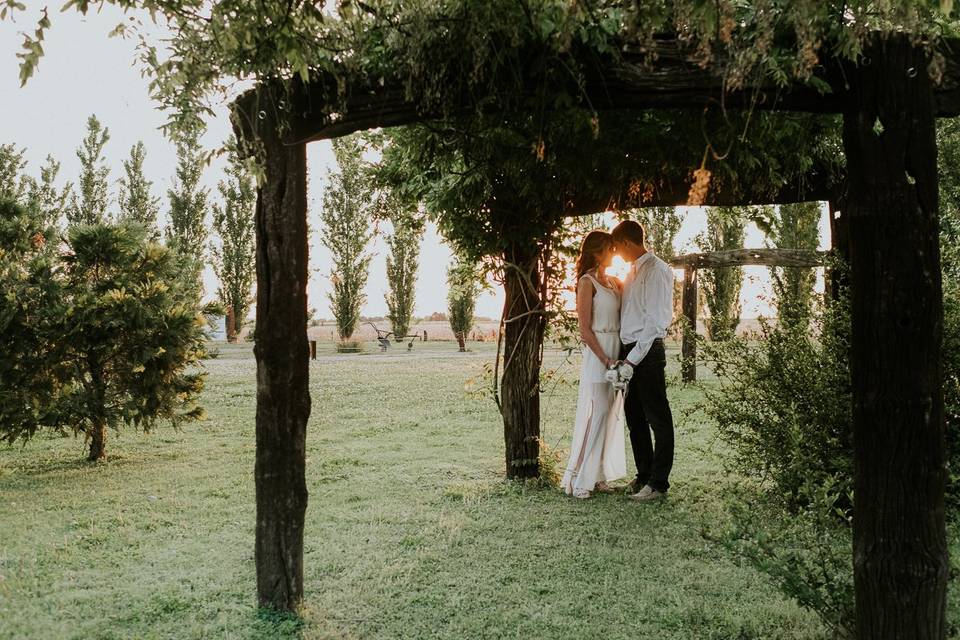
pixel 86 72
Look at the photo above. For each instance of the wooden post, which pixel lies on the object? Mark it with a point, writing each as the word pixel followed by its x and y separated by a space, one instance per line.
pixel 313 349
pixel 283 396
pixel 899 539
pixel 837 276
pixel 688 350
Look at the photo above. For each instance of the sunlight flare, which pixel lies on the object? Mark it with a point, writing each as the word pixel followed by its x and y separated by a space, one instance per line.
pixel 618 268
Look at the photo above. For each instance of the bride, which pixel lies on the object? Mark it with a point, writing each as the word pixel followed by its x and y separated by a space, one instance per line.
pixel 597 453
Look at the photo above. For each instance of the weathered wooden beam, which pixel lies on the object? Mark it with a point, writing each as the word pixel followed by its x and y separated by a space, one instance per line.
pixel 900 553
pixel 744 257
pixel 688 348
pixel 333 105
pixel 820 184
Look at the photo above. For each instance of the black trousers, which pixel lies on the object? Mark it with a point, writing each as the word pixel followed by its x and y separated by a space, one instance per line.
pixel 647 409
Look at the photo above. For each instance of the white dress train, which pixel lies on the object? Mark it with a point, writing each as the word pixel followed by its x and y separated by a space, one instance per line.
pixel 597 452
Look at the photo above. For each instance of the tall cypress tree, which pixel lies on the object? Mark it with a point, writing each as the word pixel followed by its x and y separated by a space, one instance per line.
pixel 464 287
pixel 187 233
pixel 725 230
pixel 348 205
pixel 661 225
pixel 793 226
pixel 402 263
pixel 90 205
pixel 136 202
pixel 13 184
pixel 44 197
pixel 233 258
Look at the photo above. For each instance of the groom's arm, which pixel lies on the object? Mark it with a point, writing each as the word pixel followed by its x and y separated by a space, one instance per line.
pixel 658 314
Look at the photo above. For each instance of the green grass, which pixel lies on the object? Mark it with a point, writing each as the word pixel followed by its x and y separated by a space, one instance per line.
pixel 411 531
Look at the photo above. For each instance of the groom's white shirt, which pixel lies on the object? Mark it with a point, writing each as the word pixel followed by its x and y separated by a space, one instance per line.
pixel 646 309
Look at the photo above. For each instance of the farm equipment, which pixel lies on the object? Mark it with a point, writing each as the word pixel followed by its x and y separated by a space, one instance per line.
pixel 383 337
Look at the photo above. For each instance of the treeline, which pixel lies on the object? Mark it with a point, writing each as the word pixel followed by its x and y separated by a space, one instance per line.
pixel 354 204
pixel 190 209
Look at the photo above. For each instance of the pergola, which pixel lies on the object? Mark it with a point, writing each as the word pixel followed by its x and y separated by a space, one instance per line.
pixel 692 262
pixel 889 203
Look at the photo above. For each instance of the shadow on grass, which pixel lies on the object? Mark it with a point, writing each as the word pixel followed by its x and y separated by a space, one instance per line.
pixel 273 623
pixel 36 467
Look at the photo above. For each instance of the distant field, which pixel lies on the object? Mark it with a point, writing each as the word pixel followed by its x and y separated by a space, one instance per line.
pixel 411 531
pixel 482 330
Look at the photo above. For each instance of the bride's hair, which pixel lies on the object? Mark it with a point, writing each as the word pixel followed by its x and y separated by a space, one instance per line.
pixel 594 243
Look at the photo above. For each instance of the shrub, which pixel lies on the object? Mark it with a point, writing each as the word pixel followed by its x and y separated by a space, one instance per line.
pixel 806 551
pixel 349 346
pixel 784 407
pixel 783 404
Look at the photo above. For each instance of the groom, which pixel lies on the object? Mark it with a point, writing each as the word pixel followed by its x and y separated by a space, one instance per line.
pixel 645 313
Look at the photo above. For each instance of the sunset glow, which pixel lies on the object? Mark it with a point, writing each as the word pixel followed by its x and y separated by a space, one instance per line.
pixel 618 269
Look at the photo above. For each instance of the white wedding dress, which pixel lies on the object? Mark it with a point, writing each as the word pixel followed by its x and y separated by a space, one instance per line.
pixel 597 452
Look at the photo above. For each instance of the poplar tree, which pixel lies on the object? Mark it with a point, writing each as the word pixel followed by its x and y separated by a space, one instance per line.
pixel 136 202
pixel 464 287
pixel 187 233
pixel 793 226
pixel 13 184
pixel 661 225
pixel 233 258
pixel 90 205
pixel 721 287
pixel 44 197
pixel 348 205
pixel 402 264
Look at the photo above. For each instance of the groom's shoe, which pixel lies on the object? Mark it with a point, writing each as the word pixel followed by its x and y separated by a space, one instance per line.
pixel 633 486
pixel 648 494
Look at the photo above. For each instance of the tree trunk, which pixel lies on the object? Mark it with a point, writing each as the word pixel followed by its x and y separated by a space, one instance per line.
pixel 900 552
pixel 230 324
pixel 98 441
pixel 283 397
pixel 460 341
pixel 524 324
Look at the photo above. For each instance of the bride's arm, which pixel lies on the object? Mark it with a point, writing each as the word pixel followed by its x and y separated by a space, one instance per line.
pixel 585 319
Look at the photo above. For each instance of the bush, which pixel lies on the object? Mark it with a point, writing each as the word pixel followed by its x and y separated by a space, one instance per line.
pixel 784 405
pixel 806 551
pixel 349 346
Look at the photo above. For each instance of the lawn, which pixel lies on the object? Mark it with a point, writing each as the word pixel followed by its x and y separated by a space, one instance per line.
pixel 411 531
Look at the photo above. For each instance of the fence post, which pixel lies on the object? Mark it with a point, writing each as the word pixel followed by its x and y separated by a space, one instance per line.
pixel 688 349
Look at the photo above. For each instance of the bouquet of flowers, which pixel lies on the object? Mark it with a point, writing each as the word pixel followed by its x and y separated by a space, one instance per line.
pixel 619 374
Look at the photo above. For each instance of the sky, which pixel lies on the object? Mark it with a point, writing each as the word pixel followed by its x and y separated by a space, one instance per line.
pixel 84 72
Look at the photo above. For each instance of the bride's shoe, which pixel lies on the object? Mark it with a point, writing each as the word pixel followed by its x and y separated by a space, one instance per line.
pixel 603 487
pixel 581 494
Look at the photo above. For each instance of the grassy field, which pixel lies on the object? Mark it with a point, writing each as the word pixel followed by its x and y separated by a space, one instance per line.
pixel 411 531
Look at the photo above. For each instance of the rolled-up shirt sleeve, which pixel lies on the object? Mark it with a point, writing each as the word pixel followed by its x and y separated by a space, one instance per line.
pixel 657 313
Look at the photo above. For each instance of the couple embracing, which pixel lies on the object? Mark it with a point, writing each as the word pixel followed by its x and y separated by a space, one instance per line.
pixel 622 327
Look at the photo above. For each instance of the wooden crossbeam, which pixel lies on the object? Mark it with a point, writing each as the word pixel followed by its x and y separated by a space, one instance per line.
pixel 332 105
pixel 691 262
pixel 744 257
